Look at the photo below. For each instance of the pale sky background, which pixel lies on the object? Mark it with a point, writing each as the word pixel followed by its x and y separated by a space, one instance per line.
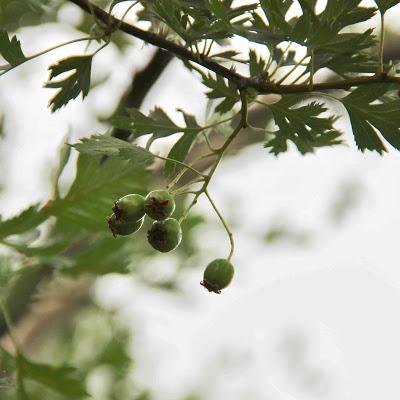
pixel 316 321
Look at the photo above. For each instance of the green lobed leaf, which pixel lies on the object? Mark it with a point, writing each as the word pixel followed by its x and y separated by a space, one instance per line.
pixel 78 81
pixel 304 126
pixel 221 88
pixel 157 123
pixel 113 147
pixel 63 379
pixel 368 118
pixel 257 65
pixel 28 219
pixel 11 50
pixel 98 183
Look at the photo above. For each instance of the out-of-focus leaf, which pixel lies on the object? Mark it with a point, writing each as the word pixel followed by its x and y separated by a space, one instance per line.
pixel 63 157
pixel 63 379
pixel 105 255
pixel 25 221
pixel 96 186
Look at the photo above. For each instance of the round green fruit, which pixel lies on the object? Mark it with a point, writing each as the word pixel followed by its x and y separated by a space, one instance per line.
pixel 129 208
pixel 121 227
pixel 218 275
pixel 159 204
pixel 165 235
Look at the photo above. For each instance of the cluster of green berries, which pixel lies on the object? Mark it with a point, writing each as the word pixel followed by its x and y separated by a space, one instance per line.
pixel 165 233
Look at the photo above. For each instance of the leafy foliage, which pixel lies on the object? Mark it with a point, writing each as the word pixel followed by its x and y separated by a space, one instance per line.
pixel 75 240
pixel 196 20
pixel 74 84
pixel 220 88
pixel 113 147
pixel 97 183
pixel 157 123
pixel 25 221
pixel 301 125
pixel 63 379
pixel 368 117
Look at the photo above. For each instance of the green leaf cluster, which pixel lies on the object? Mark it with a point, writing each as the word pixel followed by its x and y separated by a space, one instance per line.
pixel 369 117
pixel 303 125
pixel 197 20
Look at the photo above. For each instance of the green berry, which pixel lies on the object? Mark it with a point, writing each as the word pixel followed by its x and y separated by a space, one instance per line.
pixel 165 235
pixel 123 228
pixel 218 275
pixel 129 207
pixel 159 204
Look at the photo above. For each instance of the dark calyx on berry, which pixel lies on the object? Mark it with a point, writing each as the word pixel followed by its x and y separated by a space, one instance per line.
pixel 165 235
pixel 129 207
pixel 218 275
pixel 123 228
pixel 159 205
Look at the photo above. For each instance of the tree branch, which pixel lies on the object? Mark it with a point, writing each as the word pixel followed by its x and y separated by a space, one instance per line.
pixel 240 80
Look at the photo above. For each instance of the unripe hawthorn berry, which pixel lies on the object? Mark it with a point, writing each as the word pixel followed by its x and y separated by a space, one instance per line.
pixel 129 208
pixel 165 235
pixel 123 228
pixel 218 275
pixel 159 204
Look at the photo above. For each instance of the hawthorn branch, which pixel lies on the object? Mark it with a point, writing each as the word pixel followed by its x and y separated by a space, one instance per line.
pixel 241 81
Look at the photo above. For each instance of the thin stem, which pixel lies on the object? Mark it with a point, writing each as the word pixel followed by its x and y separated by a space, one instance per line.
pixel 180 193
pixel 228 231
pixel 312 69
pixel 209 48
pixel 242 124
pixel 176 162
pixel 291 70
pixel 256 128
pixel 9 325
pixel 127 11
pixel 270 59
pixel 102 46
pixel 50 49
pixel 299 77
pixel 280 61
pixel 191 205
pixel 208 142
pixel 381 45
pixel 150 142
